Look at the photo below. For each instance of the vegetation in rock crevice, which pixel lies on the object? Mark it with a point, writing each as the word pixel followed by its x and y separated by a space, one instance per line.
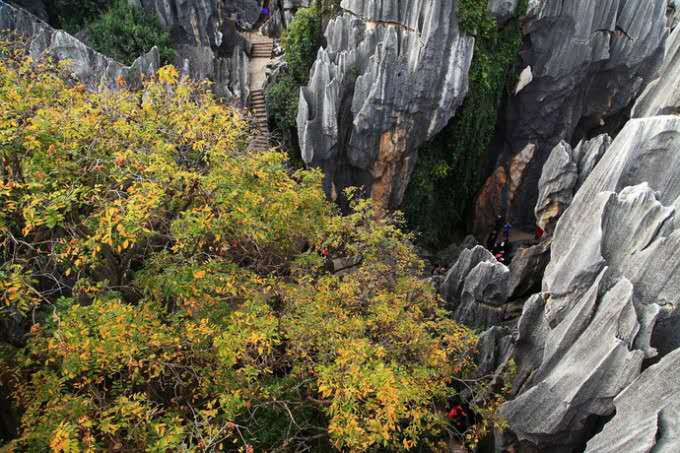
pixel 180 292
pixel 115 28
pixel 124 32
pixel 73 15
pixel 300 42
pixel 449 169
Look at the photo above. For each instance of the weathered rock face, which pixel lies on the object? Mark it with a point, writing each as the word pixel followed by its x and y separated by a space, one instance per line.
pixel 502 9
pixel 391 77
pixel 93 69
pixel 207 43
pixel 282 13
pixel 589 60
pixel 563 174
pixel 607 293
pixel 35 7
pixel 527 268
pixel 476 288
pixel 647 413
pixel 662 96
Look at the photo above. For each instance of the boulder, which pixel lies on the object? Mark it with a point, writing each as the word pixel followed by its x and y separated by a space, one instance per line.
pixel 589 60
pixel 94 70
pixel 476 288
pixel 390 78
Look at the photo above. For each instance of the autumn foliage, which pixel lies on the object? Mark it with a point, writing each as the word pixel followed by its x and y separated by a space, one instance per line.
pixel 177 294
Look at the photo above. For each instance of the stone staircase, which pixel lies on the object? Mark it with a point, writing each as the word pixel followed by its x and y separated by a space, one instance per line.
pixel 260 55
pixel 262 49
pixel 259 109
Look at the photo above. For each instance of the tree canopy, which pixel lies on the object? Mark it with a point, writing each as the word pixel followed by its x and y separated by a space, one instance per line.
pixel 180 294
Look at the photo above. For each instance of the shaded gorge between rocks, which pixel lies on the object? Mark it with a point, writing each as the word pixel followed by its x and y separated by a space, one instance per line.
pixel 449 171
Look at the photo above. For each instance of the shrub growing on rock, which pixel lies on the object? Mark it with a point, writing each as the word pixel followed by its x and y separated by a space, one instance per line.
pixel 448 173
pixel 124 32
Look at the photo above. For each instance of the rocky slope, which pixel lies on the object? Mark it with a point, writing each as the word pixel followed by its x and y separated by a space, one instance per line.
pixel 583 63
pixel 390 78
pixel 95 70
pixel 609 306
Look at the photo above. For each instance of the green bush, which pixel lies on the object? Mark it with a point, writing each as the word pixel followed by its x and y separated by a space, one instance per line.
pixel 282 105
pixel 448 174
pixel 301 43
pixel 125 32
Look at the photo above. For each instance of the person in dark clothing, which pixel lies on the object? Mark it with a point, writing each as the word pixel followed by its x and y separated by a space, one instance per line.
pixel 507 228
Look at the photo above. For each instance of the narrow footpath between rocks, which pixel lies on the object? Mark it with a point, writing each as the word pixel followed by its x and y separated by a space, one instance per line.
pixel 261 55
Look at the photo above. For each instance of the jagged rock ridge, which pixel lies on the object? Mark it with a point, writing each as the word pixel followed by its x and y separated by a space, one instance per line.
pixel 208 45
pixel 610 298
pixel 391 77
pixel 589 60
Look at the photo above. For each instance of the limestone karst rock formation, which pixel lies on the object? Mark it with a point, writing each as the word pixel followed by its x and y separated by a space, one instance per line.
pixel 647 413
pixel 563 174
pixel 476 288
pixel 390 78
pixel 610 299
pixel 207 43
pixel 203 33
pixel 93 69
pixel 281 15
pixel 589 60
pixel 662 96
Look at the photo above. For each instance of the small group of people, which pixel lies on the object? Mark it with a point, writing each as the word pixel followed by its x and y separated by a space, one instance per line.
pixel 498 241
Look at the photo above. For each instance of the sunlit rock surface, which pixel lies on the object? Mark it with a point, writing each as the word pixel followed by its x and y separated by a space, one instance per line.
pixel 391 77
pixel 589 61
pixel 611 293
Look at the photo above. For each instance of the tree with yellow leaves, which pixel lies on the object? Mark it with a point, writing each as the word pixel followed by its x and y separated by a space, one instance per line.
pixel 182 294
